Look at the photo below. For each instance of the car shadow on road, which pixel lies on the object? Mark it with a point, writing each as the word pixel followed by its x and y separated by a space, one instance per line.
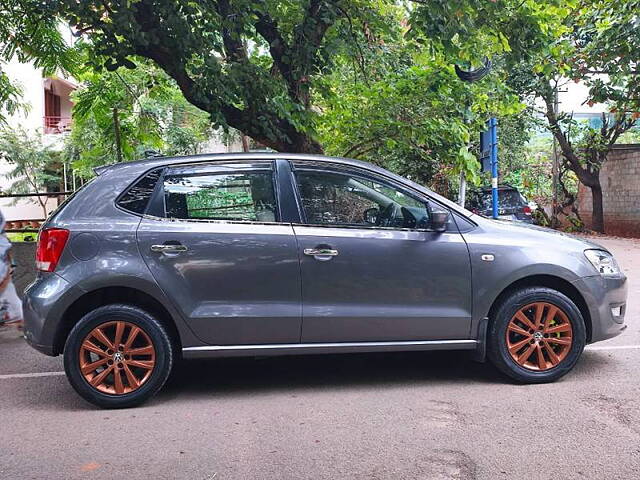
pixel 226 376
pixel 229 377
pixel 262 375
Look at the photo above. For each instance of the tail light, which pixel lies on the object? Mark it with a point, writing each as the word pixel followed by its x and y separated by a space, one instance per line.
pixel 51 243
pixel 526 210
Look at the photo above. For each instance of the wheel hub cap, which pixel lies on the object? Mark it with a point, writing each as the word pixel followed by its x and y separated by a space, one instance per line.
pixel 117 357
pixel 539 336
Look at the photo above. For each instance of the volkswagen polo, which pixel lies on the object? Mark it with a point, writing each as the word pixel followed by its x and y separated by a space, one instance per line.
pixel 271 254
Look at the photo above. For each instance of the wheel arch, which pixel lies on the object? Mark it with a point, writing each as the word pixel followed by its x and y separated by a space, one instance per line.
pixel 112 295
pixel 550 281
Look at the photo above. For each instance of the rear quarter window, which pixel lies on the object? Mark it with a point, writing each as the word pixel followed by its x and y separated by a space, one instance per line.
pixel 136 198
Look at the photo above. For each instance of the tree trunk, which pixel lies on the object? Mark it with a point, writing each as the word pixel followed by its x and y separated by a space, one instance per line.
pixel 597 216
pixel 116 134
pixel 245 143
pixel 462 194
pixel 303 143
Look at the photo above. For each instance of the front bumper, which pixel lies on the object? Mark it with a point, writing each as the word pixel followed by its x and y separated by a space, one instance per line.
pixel 43 304
pixel 606 299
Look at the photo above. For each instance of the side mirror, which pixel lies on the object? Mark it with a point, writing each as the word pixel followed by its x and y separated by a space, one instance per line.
pixel 439 220
pixel 371 216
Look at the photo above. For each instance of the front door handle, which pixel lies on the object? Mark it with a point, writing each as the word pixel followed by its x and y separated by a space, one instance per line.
pixel 320 253
pixel 168 248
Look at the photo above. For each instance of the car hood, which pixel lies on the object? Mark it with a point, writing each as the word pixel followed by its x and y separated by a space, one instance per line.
pixel 527 234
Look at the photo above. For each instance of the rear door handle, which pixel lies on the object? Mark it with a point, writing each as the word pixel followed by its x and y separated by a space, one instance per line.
pixel 321 252
pixel 169 248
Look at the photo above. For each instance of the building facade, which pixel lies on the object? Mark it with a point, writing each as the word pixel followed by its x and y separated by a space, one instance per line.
pixel 49 107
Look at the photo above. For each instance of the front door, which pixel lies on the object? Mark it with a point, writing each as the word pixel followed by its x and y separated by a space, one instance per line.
pixel 222 256
pixel 371 269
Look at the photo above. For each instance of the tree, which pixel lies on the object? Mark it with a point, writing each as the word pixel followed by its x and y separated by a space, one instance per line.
pixel 582 52
pixel 254 66
pixel 418 120
pixel 396 101
pixel 120 115
pixel 542 45
pixel 250 65
pixel 33 165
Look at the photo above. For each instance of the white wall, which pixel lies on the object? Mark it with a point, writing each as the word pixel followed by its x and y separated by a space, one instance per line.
pixel 29 79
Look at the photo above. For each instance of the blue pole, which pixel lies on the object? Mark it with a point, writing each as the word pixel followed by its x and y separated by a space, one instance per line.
pixel 493 126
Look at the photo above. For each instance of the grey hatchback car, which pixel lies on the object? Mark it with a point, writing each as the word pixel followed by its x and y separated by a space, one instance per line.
pixel 272 254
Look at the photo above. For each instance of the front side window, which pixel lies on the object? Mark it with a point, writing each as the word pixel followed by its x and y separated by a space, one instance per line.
pixel 242 196
pixel 341 199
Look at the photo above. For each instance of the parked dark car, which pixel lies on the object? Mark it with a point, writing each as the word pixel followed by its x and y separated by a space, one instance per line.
pixel 274 254
pixel 511 204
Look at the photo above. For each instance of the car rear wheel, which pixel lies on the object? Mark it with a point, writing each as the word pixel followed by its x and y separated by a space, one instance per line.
pixel 536 335
pixel 118 356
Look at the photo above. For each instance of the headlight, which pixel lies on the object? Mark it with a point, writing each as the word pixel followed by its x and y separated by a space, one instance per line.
pixel 603 262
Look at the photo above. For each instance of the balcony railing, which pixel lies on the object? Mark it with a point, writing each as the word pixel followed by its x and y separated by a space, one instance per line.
pixel 55 125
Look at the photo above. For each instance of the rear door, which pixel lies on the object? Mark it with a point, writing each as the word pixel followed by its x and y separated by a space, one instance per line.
pixel 216 246
pixel 371 268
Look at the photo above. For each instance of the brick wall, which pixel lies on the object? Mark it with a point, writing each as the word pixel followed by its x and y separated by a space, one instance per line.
pixel 620 180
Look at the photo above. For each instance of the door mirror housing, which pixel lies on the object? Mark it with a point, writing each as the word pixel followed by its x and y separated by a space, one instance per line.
pixel 439 220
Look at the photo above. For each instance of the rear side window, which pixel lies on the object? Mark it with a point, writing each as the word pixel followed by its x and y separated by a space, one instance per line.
pixel 242 196
pixel 137 197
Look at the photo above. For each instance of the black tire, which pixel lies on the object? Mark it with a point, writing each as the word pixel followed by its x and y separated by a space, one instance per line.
pixel 497 335
pixel 163 355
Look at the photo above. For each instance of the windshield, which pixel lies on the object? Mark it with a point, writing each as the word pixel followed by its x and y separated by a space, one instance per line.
pixel 507 200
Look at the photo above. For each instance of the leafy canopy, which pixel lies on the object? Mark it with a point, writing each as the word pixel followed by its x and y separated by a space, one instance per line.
pixel 125 113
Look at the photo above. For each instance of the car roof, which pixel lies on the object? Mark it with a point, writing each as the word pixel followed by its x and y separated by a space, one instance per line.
pixel 219 157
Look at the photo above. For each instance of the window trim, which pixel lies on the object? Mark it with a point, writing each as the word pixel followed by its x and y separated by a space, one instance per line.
pixel 340 169
pixel 212 169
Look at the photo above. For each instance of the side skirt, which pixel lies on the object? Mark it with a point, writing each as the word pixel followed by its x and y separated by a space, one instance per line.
pixel 209 351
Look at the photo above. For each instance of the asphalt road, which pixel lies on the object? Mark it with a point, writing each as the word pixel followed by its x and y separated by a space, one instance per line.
pixel 396 416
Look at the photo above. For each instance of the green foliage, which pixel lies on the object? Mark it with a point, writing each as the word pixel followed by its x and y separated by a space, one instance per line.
pixel 10 98
pixel 33 165
pixel 257 66
pixel 414 117
pixel 593 43
pixel 29 32
pixel 250 65
pixel 120 115
pixel 468 30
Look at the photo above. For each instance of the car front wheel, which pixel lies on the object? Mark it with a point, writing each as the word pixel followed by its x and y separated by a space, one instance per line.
pixel 118 356
pixel 536 335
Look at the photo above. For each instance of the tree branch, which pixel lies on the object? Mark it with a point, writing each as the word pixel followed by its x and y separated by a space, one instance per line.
pixel 231 34
pixel 268 29
pixel 583 174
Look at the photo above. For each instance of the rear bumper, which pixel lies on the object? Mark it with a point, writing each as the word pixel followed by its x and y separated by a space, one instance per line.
pixel 606 299
pixel 43 305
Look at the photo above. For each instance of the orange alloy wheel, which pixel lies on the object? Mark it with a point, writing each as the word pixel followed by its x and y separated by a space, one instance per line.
pixel 117 357
pixel 539 336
